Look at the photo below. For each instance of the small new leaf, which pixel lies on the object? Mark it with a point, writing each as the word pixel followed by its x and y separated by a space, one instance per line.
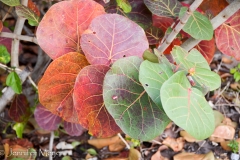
pixel 14 82
pixel 125 5
pixel 19 127
pixel 11 2
pixel 4 55
pixel 25 12
pixel 198 26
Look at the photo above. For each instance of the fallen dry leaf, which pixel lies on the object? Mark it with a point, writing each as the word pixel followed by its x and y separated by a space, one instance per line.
pixel 158 156
pixel 175 144
pixel 102 142
pixel 229 122
pixel 134 154
pixel 117 147
pixel 216 139
pixel 224 131
pixel 187 136
pixel 235 86
pixel 191 156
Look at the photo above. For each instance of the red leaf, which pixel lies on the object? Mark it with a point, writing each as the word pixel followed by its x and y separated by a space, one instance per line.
pixel 73 129
pixel 89 104
pixel 33 7
pixel 228 36
pixel 111 37
pixel 19 110
pixel 162 22
pixel 7 42
pixel 176 41
pixel 45 119
pixel 1 26
pixel 153 35
pixel 213 7
pixel 207 49
pixel 60 30
pixel 56 86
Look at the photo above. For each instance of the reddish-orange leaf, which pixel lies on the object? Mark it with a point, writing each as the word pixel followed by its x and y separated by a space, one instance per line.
pixel 213 7
pixel 60 30
pixel 1 26
pixel 33 7
pixel 176 41
pixel 111 37
pixel 207 49
pixel 162 22
pixel 19 110
pixel 88 101
pixel 56 86
pixel 228 36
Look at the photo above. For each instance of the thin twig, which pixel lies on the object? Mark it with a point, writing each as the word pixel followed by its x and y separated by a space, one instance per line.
pixel 51 144
pixel 18 70
pixel 179 26
pixel 216 22
pixel 15 43
pixel 19 37
pixel 6 15
pixel 124 141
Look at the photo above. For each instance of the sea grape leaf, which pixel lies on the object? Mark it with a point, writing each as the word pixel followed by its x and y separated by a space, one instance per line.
pixel 148 55
pixel 228 36
pixel 117 37
pixel 88 102
pixel 73 129
pixel 19 110
pixel 152 76
pixel 33 7
pixel 45 119
pixel 187 60
pixel 162 22
pixel 11 2
pixel 60 29
pixel 125 5
pixel 139 14
pixel 1 26
pixel 153 35
pixel 25 12
pixel 163 59
pixel 187 106
pixel 4 55
pixel 19 128
pixel 207 49
pixel 212 8
pixel 56 86
pixel 127 101
pixel 199 69
pixel 14 82
pixel 198 26
pixel 167 8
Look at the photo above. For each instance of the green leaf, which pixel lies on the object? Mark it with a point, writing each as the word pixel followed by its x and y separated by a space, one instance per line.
pixel 75 143
pixel 11 2
pixel 147 55
pixel 19 127
pixel 25 12
pixel 187 107
pixel 128 103
pixel 167 8
pixel 163 59
pixel 233 70
pixel 4 55
pixel 92 151
pixel 198 25
pixel 66 158
pixel 152 76
pixel 125 5
pixel 14 82
pixel 197 66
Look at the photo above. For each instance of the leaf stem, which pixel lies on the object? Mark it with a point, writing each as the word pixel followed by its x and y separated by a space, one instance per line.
pixel 6 15
pixel 216 22
pixel 124 141
pixel 179 26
